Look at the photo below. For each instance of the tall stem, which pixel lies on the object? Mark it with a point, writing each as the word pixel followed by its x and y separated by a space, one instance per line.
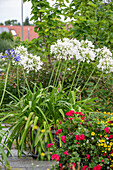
pixel 5 83
pixel 96 85
pixel 26 80
pixel 56 73
pixel 79 75
pixel 18 82
pixel 52 75
pixel 87 80
pixel 75 76
pixel 64 72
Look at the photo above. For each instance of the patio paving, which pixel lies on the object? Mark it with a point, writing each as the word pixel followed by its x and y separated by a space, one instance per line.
pixel 26 162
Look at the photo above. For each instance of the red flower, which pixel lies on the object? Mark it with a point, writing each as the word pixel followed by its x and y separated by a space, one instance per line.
pixel 77 137
pixel 87 156
pixel 102 160
pixel 56 157
pixel 60 165
pixel 58 131
pixel 73 164
pixel 82 118
pixel 107 130
pixel 97 167
pixel 84 167
pixel 111 152
pixel 61 122
pixel 110 136
pixel 109 122
pixel 66 153
pixel 71 118
pixel 79 113
pixel 70 113
pixel 63 139
pixel 100 136
pixel 80 137
pixel 49 145
pixel 104 154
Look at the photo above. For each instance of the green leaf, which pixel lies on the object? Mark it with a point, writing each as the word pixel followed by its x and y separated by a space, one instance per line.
pixel 42 113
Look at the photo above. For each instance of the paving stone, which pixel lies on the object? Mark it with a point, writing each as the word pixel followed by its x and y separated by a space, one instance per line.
pixel 26 162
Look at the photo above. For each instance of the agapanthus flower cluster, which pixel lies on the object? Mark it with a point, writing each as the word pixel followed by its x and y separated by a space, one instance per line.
pixel 28 61
pixel 69 49
pixel 105 60
pixel 11 54
pixel 83 51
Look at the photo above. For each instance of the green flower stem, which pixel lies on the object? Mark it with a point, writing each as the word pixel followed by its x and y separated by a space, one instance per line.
pixel 64 73
pixel 87 80
pixel 96 84
pixel 26 80
pixel 56 72
pixel 5 83
pixel 58 77
pixel 52 75
pixel 75 76
pixel 18 82
pixel 79 75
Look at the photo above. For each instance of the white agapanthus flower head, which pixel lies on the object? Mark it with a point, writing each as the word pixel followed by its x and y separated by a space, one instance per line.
pixel 83 51
pixel 68 49
pixel 28 61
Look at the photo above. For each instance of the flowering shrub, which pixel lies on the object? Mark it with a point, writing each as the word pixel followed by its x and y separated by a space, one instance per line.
pixel 87 143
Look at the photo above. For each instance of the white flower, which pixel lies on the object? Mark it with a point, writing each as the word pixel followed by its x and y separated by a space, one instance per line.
pixel 83 51
pixel 28 61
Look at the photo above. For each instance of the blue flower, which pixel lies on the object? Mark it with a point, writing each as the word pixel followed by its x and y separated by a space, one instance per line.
pixel 7 52
pixel 11 54
pixel 3 56
pixel 17 58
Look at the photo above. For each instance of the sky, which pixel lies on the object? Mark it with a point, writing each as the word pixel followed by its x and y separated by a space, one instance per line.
pixel 11 9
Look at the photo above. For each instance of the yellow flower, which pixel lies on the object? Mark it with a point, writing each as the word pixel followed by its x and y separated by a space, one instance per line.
pixel 25 118
pixel 48 169
pixel 105 136
pixel 111 143
pixel 42 154
pixel 102 140
pixel 42 130
pixel 111 165
pixel 35 127
pixel 93 134
pixel 105 145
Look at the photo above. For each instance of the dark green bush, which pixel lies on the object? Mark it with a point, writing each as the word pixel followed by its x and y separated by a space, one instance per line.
pixel 5 44
pixel 6 36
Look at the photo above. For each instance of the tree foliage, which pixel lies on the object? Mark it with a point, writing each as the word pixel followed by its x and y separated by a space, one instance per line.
pixel 93 20
pixel 12 22
pixel 26 21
